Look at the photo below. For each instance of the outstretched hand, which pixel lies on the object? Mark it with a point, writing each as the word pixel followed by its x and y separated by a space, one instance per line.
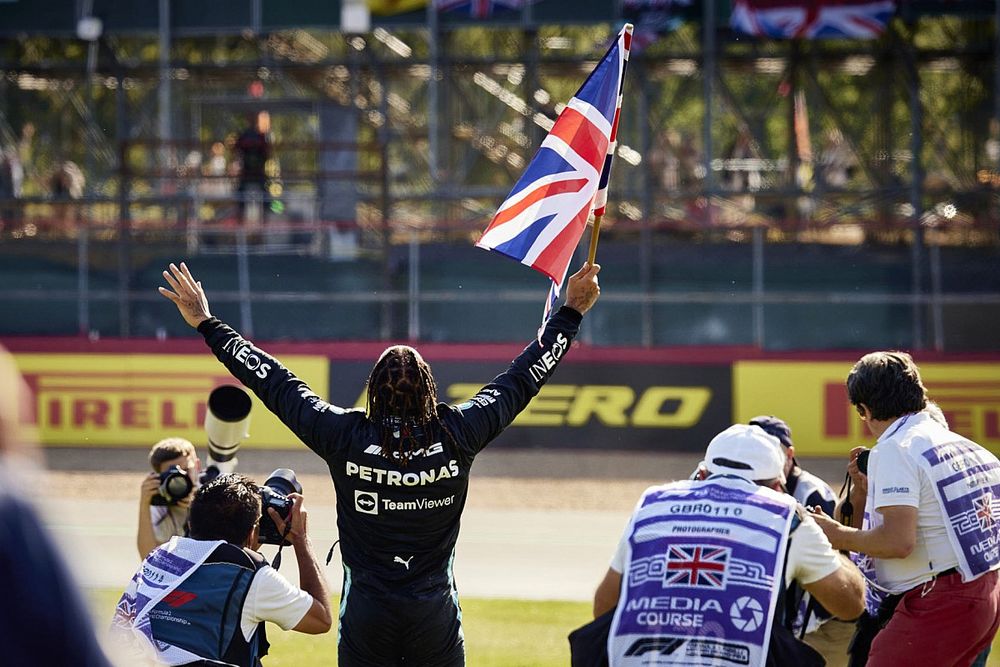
pixel 832 529
pixel 187 294
pixel 583 288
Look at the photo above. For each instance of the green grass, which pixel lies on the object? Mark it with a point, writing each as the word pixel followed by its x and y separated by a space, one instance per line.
pixel 507 633
pixel 498 633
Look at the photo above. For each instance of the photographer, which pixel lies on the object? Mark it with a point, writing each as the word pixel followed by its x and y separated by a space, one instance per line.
pixel 726 545
pixel 813 624
pixel 203 599
pixel 159 520
pixel 166 492
pixel 930 522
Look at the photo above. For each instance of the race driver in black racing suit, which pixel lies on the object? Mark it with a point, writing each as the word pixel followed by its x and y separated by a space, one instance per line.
pixel 400 469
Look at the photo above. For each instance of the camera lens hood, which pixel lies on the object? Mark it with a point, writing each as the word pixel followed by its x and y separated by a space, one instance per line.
pixel 283 481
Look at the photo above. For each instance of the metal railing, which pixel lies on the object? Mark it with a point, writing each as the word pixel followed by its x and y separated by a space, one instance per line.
pixel 397 292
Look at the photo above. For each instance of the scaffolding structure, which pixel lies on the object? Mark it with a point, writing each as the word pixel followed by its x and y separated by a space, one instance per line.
pixel 724 139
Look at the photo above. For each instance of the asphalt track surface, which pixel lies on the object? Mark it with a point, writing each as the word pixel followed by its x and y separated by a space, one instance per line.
pixel 538 525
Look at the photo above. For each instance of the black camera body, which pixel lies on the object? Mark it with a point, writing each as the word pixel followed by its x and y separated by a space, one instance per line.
pixel 274 493
pixel 862 460
pixel 175 485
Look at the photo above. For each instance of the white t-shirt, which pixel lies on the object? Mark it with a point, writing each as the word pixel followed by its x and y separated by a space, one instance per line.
pixel 168 520
pixel 272 598
pixel 810 555
pixel 895 478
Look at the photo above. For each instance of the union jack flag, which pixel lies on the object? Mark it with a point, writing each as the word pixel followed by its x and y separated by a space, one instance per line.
pixel 812 19
pixel 541 221
pixel 696 566
pixel 479 9
pixel 984 511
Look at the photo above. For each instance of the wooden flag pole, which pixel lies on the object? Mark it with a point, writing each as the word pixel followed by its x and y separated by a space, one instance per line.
pixel 594 233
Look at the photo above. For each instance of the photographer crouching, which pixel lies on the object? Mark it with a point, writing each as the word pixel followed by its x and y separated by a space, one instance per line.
pixel 203 599
pixel 166 493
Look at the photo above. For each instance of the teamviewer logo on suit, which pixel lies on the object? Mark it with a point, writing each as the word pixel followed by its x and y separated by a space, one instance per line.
pixel 366 502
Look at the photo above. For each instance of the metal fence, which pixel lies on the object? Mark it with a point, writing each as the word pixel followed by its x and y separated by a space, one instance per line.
pixel 314 280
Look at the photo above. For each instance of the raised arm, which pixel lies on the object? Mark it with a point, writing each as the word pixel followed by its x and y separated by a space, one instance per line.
pixel 288 397
pixel 497 404
pixel 145 540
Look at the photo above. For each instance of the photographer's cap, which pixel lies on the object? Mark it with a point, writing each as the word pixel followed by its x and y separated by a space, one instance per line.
pixel 776 427
pixel 747 451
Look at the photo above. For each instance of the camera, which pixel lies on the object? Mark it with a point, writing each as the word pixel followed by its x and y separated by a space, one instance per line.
pixel 175 485
pixel 227 424
pixel 274 493
pixel 862 460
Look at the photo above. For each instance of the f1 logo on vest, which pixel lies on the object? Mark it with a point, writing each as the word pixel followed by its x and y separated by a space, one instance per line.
pixel 178 598
pixel 661 645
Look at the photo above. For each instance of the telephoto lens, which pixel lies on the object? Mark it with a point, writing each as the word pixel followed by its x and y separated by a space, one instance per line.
pixel 227 424
pixel 274 493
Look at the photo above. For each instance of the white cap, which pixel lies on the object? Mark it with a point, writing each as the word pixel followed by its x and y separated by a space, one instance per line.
pixel 746 451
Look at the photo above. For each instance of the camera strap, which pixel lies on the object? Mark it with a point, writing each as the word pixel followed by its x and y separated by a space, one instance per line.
pixel 281 545
pixel 846 507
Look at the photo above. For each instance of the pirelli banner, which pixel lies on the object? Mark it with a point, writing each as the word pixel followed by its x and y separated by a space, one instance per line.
pixel 103 399
pixel 133 393
pixel 812 397
pixel 110 394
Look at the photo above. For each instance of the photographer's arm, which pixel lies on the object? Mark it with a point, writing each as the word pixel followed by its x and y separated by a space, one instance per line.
pixel 319 618
pixel 842 592
pixel 895 538
pixel 607 593
pixel 282 393
pixel 145 540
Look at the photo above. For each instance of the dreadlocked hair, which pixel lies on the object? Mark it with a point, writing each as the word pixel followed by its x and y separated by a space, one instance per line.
pixel 402 403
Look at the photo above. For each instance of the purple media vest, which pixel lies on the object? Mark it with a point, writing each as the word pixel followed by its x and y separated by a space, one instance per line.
pixel 704 570
pixel 966 480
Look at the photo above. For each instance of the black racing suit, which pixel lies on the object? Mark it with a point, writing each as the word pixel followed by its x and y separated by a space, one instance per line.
pixel 398 523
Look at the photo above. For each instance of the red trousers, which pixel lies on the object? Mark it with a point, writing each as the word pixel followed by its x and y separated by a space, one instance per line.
pixel 941 625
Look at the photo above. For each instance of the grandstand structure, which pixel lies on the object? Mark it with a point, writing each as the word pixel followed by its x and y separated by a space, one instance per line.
pixel 775 194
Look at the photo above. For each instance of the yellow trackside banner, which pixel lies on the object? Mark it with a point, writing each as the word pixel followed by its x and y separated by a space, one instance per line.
pixel 812 398
pixel 392 7
pixel 137 399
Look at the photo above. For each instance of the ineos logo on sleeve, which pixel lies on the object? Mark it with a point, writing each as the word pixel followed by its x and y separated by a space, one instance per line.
pixel 242 351
pixel 366 502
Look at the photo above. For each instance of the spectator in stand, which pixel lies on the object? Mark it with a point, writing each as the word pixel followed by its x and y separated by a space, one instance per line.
pixel 215 171
pixel 66 184
pixel 836 161
pixel 11 181
pixel 254 150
